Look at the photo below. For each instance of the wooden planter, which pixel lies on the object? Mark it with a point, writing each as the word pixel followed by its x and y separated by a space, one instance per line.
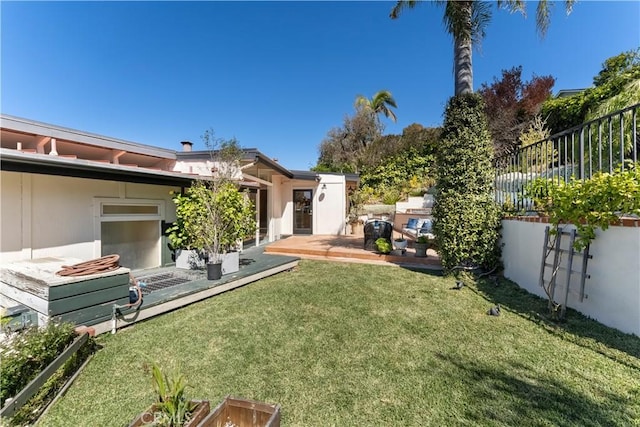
pixel 243 413
pixel 200 411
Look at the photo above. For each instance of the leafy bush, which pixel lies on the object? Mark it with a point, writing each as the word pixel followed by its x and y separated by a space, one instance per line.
pixel 390 196
pixel 466 218
pixel 28 352
pixel 591 204
pixel 383 245
pixel 33 408
pixel 618 71
pixel 423 240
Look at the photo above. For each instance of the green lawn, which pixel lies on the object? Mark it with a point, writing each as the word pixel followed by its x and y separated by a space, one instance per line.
pixel 361 345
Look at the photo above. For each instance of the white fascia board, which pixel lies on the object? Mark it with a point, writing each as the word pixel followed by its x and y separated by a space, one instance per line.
pixel 7 154
pixel 72 135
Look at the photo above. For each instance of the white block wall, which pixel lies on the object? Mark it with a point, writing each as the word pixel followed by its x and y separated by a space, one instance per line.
pixel 613 291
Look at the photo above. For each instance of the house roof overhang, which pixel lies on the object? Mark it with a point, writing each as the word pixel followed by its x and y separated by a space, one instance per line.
pixel 254 163
pixel 311 175
pixel 44 164
pixel 32 128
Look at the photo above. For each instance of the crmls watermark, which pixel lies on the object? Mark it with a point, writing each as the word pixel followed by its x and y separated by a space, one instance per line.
pixel 151 417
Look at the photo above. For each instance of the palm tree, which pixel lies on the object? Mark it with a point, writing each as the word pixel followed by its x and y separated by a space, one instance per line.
pixel 380 103
pixel 466 21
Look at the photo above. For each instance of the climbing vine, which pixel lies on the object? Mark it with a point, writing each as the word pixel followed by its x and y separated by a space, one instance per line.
pixel 589 205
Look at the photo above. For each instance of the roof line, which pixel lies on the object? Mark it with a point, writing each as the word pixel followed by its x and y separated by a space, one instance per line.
pixel 19 124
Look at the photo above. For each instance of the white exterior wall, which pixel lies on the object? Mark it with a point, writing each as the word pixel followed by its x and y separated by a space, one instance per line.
pixel 286 204
pixel 329 204
pixel 329 210
pixel 44 215
pixel 201 167
pixel 612 292
pixel 275 224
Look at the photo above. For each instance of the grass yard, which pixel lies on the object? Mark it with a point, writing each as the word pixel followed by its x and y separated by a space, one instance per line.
pixel 361 345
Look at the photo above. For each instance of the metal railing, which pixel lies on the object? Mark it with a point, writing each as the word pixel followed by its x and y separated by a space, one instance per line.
pixel 607 144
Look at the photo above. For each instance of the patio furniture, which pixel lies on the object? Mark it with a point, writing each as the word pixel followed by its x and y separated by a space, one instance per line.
pixel 417 227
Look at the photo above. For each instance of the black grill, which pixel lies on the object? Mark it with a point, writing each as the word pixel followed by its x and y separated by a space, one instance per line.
pixel 161 281
pixel 375 229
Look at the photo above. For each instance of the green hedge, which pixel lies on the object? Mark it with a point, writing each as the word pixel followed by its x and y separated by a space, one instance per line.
pixel 466 218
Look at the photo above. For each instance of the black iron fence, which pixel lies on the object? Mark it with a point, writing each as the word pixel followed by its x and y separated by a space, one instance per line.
pixel 607 144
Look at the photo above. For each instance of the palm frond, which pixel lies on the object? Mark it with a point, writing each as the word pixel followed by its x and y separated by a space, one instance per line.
pixel 513 6
pixel 361 101
pixel 467 20
pixel 543 17
pixel 383 97
pixel 543 14
pixel 480 18
pixel 390 114
pixel 400 6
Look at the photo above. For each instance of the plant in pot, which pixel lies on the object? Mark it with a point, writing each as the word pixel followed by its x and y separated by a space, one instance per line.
pixel 226 218
pixel 421 245
pixel 172 408
pixel 213 215
pixel 356 199
pixel 187 254
pixel 400 243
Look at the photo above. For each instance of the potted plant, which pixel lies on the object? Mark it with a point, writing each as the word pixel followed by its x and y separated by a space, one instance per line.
pixel 226 218
pixel 213 215
pixel 171 408
pixel 187 254
pixel 421 245
pixel 356 199
pixel 355 223
pixel 400 243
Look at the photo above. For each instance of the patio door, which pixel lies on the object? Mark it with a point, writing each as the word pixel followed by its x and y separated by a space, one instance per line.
pixel 303 211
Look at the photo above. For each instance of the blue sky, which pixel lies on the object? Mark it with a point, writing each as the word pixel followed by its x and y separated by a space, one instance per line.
pixel 276 75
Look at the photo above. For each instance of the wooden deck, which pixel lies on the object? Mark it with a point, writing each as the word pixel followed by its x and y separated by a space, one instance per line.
pixel 349 248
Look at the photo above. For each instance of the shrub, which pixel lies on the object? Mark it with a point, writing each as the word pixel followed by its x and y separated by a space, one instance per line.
pixel 466 218
pixel 591 204
pixel 28 352
pixel 383 245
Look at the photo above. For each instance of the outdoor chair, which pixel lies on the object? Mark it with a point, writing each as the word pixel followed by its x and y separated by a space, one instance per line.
pixel 416 227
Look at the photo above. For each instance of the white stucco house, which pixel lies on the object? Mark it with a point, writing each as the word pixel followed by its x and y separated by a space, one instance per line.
pixel 71 193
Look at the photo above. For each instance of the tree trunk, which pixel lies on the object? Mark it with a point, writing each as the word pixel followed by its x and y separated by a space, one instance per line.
pixel 462 46
pixel 462 67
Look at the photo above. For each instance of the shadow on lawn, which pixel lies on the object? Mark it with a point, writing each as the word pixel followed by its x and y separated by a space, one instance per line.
pixel 516 396
pixel 577 328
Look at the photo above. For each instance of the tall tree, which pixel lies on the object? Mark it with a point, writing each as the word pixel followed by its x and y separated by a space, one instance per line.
pixel 466 21
pixel 380 103
pixel 511 106
pixel 344 148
